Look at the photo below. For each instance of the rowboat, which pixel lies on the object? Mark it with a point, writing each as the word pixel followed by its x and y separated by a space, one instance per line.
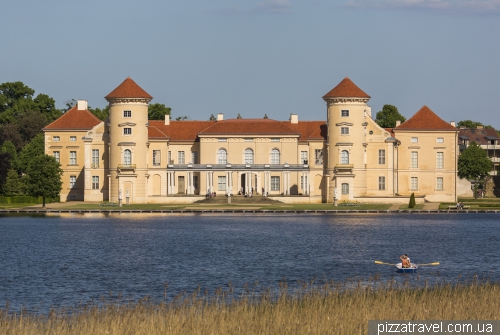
pixel 413 268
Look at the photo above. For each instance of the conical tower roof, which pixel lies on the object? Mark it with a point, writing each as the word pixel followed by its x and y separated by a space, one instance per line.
pixel 128 89
pixel 346 89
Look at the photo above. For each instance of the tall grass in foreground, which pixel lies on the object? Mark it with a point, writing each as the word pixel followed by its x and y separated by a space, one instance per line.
pixel 327 309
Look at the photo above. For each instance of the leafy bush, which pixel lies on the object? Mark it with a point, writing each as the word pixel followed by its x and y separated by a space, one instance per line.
pixel 411 204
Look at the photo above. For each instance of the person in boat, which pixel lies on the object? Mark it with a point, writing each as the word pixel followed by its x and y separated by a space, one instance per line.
pixel 405 261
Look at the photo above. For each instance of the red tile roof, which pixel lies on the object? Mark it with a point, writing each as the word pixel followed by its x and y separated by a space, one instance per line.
pixel 128 89
pixel 346 89
pixel 480 136
pixel 425 119
pixel 177 130
pixel 74 119
pixel 310 130
pixel 249 127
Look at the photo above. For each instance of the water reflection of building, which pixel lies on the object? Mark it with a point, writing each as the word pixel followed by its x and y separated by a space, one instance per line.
pixel 157 161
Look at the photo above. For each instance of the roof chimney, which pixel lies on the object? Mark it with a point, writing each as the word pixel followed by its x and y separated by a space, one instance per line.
pixel 294 118
pixel 220 117
pixel 479 127
pixel 81 105
pixel 167 119
pixel 453 123
pixel 398 122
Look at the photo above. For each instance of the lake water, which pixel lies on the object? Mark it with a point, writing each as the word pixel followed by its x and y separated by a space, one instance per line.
pixel 65 260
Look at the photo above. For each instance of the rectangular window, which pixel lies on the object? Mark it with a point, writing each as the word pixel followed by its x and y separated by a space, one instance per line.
pixel 303 157
pixel 439 160
pixel 222 183
pixel 127 113
pixel 275 139
pixel 439 183
pixel 381 183
pixel 156 157
pixel 318 157
pixel 414 184
pixel 180 157
pixel 169 157
pixel 95 158
pixel 381 156
pixel 414 140
pixel 414 159
pixel 301 182
pixel 72 181
pixel 344 130
pixel 195 182
pixel 344 113
pixel 275 183
pixel 194 157
pixel 440 140
pixel 72 158
pixel 56 138
pixel 72 138
pixel 95 182
pixel 57 156
pixel 127 131
pixel 222 139
pixel 345 188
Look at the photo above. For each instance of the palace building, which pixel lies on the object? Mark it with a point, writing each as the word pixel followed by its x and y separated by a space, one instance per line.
pixel 165 161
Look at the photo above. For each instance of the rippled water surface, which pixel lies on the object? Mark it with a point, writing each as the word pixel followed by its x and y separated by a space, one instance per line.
pixel 68 259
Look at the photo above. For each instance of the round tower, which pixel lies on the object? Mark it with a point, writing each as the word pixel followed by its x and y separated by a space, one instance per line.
pixel 128 143
pixel 347 113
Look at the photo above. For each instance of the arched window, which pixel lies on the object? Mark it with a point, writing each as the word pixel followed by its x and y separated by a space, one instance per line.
pixel 222 156
pixel 344 157
pixel 127 157
pixel 248 156
pixel 275 156
pixel 345 188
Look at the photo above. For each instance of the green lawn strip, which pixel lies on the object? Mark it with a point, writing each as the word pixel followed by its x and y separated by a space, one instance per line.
pixel 418 206
pixel 13 206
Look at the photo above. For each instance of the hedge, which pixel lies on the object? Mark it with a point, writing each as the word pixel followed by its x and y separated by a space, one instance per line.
pixel 25 199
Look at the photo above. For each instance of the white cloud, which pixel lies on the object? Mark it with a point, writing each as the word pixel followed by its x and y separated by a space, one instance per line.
pixel 463 6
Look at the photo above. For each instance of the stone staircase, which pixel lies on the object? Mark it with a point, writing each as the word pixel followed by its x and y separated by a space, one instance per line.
pixel 239 199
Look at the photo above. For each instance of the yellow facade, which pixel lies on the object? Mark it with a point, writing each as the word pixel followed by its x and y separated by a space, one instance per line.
pixel 129 158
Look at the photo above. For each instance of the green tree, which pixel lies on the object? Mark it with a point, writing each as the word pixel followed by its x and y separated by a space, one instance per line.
pixel 158 111
pixel 469 124
pixel 387 117
pixel 34 148
pixel 181 118
pixel 14 183
pixel 4 168
pixel 101 114
pixel 411 204
pixel 10 148
pixel 43 177
pixel 474 164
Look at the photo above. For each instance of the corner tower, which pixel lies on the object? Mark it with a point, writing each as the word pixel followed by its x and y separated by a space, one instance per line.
pixel 128 143
pixel 347 116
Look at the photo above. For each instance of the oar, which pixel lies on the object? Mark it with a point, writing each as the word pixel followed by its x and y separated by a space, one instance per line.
pixel 429 264
pixel 383 263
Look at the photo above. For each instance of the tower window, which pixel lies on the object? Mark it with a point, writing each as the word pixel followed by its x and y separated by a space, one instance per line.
pixel 344 130
pixel 344 113
pixel 127 113
pixel 127 131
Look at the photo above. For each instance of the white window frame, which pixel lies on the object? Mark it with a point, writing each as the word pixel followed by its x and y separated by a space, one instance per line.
pixel 127 157
pixel 344 157
pixel 127 114
pixel 275 139
pixel 72 158
pixel 221 185
pixel 344 113
pixel 439 184
pixel 222 156
pixel 414 159
pixel 275 156
pixel 275 183
pixel 381 156
pixel 57 156
pixel 248 156
pixel 414 184
pixel 344 188
pixel 72 138
pixel 181 158
pixel 95 182
pixel 381 183
pixel 414 140
pixel 344 130
pixel 95 158
pixel 72 181
pixel 127 131
pixel 304 157
pixel 194 157
pixel 169 157
pixel 440 140
pixel 156 157
pixel 439 160
pixel 222 140
pixel 56 138
pixel 318 157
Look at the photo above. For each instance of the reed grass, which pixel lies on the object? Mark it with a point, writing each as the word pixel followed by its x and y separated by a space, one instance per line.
pixel 330 308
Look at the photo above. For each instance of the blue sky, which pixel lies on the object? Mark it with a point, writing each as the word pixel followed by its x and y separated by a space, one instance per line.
pixel 258 57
